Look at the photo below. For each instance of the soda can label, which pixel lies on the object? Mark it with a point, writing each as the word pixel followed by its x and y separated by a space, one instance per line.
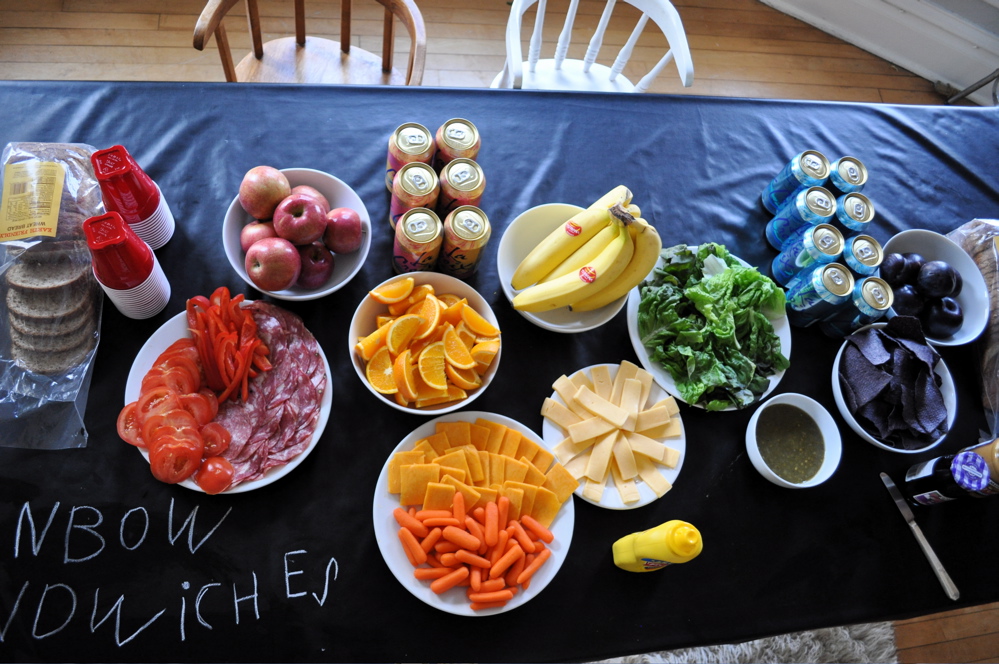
pixel 806 169
pixel 863 254
pixel 810 246
pixel 816 293
pixel 811 206
pixel 417 241
pixel 847 175
pixel 408 143
pixel 466 233
pixel 854 212
pixel 456 138
pixel 462 183
pixel 415 185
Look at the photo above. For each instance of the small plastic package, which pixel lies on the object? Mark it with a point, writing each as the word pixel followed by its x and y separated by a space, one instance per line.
pixel 50 321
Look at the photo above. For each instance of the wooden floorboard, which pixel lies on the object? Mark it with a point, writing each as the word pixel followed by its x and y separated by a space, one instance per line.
pixel 740 48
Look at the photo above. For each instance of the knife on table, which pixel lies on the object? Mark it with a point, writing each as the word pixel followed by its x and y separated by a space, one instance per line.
pixel 938 568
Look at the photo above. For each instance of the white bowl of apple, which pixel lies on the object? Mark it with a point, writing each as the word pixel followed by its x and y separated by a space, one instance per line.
pixel 296 233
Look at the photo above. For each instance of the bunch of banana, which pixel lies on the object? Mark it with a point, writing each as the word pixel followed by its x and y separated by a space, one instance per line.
pixel 593 259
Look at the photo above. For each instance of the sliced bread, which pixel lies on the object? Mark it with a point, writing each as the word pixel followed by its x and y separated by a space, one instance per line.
pixel 49 362
pixel 45 305
pixel 53 343
pixel 31 276
pixel 55 327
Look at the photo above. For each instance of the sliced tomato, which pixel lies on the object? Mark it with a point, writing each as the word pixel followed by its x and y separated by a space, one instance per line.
pixel 173 460
pixel 181 360
pixel 176 420
pixel 216 438
pixel 184 346
pixel 128 426
pixel 215 475
pixel 198 405
pixel 213 399
pixel 156 400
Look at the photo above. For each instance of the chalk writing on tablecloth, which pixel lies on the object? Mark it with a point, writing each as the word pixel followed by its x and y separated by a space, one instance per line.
pixel 51 606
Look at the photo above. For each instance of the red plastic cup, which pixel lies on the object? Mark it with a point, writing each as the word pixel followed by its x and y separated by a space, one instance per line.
pixel 126 267
pixel 130 192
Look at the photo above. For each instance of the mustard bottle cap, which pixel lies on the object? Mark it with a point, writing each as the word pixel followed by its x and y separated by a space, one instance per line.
pixel 684 539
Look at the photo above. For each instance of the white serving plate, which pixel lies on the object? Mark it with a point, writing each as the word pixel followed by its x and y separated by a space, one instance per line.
pixel 610 498
pixel 176 328
pixel 781 328
pixel 345 266
pixel 454 601
pixel 520 237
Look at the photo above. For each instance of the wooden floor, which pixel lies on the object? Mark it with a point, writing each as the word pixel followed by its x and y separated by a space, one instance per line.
pixel 740 48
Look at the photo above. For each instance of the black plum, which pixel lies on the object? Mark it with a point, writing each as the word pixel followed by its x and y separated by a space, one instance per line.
pixel 936 279
pixel 942 317
pixel 913 262
pixel 908 302
pixel 892 266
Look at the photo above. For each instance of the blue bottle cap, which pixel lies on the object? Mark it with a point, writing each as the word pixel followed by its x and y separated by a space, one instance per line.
pixel 969 471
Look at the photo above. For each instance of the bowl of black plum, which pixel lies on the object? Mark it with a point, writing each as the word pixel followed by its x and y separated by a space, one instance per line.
pixel 936 281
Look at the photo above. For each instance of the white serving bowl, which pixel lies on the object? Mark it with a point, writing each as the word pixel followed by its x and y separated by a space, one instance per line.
pixel 363 323
pixel 830 435
pixel 946 390
pixel 521 236
pixel 974 295
pixel 345 266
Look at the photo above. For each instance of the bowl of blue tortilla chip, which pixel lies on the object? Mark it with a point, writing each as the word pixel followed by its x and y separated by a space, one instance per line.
pixel 892 387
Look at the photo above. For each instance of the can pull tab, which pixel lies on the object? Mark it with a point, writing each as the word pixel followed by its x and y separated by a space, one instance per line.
pixel 121 259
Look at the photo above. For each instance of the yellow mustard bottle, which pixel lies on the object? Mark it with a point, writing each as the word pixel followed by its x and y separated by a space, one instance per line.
pixel 667 544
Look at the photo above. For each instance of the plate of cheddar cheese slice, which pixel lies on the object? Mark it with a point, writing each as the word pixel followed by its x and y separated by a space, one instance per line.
pixel 618 432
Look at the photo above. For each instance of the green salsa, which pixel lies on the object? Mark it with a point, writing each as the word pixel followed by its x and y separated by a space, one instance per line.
pixel 790 442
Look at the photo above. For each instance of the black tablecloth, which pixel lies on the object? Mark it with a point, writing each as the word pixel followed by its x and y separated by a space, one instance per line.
pixel 254 565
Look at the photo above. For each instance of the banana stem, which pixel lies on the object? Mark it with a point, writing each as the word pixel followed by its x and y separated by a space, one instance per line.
pixel 621 213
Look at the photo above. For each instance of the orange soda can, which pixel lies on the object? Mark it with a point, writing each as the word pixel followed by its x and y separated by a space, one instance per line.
pixel 418 238
pixel 408 143
pixel 456 138
pixel 466 233
pixel 415 185
pixel 462 183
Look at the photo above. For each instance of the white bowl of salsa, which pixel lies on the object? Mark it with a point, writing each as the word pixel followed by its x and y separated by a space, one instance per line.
pixel 793 441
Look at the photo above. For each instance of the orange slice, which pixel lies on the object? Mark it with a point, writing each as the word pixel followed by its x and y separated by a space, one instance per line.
pixel 466 379
pixel 382 319
pixel 466 335
pixel 367 346
pixel 448 299
pixel 394 291
pixel 424 392
pixel 431 366
pixel 455 350
pixel 403 306
pixel 476 323
pixel 403 373
pixel 452 312
pixel 401 332
pixel 485 352
pixel 379 372
pixel 452 393
pixel 430 312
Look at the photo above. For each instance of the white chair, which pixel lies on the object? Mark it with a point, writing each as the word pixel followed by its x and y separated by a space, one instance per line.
pixel 562 73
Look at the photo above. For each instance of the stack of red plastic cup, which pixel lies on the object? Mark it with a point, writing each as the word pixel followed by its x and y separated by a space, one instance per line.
pixel 126 267
pixel 130 192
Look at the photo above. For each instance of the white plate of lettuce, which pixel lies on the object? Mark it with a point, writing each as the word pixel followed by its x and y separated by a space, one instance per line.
pixel 710 328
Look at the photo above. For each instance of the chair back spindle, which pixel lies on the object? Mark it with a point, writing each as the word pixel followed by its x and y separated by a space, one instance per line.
pixel 562 47
pixel 625 53
pixel 300 22
pixel 534 51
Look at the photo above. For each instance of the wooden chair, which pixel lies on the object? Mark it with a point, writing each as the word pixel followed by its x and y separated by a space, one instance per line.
pixel 562 73
pixel 302 59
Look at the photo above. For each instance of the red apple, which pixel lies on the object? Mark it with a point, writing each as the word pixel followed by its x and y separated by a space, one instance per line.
pixel 300 219
pixel 273 264
pixel 317 265
pixel 262 188
pixel 315 193
pixel 255 230
pixel 343 230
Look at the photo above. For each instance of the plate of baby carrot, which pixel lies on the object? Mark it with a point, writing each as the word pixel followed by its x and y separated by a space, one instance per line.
pixel 473 514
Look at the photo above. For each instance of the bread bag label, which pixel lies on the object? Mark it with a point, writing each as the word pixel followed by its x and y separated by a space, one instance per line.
pixel 32 192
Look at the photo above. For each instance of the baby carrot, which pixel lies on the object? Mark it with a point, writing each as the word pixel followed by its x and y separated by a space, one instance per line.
pixel 537 529
pixel 462 538
pixel 500 548
pixel 492 523
pixel 466 556
pixel 497 596
pixel 521 536
pixel 482 606
pixel 432 538
pixel 503 504
pixel 515 569
pixel 491 585
pixel 480 514
pixel 446 547
pixel 430 573
pixel 410 522
pixel 414 551
pixel 475 579
pixel 449 581
pixel 538 561
pixel 441 521
pixel 449 560
pixel 504 562
pixel 458 505
pixel 476 530
pixel 423 515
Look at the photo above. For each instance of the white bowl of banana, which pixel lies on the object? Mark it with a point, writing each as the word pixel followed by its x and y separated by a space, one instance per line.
pixel 569 269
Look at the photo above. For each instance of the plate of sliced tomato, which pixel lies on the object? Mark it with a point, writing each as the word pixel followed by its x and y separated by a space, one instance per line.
pixel 171 402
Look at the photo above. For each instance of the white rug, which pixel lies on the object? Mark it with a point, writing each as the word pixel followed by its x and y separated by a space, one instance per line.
pixel 872 643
